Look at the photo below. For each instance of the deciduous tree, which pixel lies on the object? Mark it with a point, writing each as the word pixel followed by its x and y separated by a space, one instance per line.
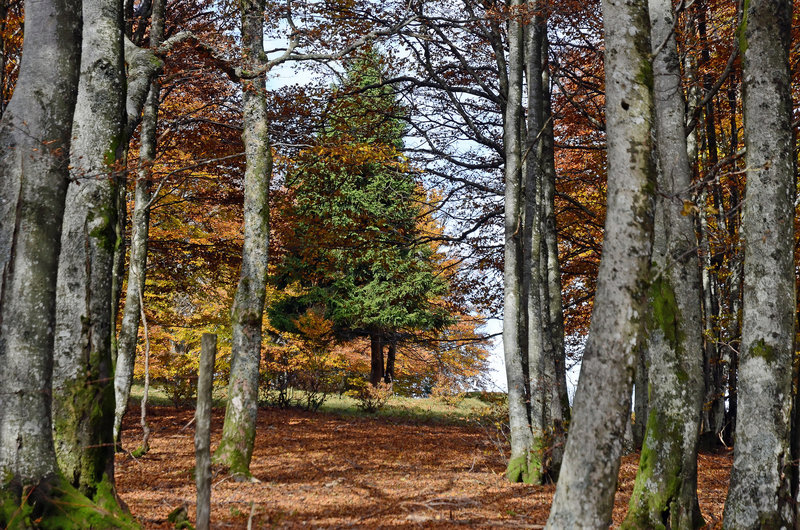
pixel 587 482
pixel 759 494
pixel 666 483
pixel 236 446
pixel 34 141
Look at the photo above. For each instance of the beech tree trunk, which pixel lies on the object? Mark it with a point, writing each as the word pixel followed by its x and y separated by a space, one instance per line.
pixel 713 407
pixel 665 492
pixel 539 347
pixel 35 135
pixel 560 410
pixel 585 494
pixel 239 430
pixel 140 227
pixel 83 398
pixel 759 495
pixel 718 355
pixel 539 406
pixel 520 465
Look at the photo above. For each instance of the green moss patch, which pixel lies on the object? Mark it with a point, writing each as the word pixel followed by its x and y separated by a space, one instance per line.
pixel 763 350
pixel 664 310
pixel 55 504
pixel 526 468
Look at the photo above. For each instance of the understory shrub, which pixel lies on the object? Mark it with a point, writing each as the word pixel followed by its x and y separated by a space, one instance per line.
pixel 302 369
pixel 370 398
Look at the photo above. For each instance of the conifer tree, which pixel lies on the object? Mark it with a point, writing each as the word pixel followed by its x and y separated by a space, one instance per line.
pixel 355 247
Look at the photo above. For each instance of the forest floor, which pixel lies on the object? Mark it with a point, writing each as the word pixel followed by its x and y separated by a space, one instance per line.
pixel 326 470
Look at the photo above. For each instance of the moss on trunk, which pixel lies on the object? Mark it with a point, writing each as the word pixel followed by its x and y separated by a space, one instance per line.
pixel 522 469
pixel 529 467
pixel 234 451
pixel 84 408
pixel 54 504
pixel 656 499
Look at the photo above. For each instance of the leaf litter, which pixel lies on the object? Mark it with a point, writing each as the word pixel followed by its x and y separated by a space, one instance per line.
pixel 321 470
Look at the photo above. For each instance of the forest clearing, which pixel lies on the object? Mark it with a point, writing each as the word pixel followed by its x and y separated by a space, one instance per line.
pixel 316 206
pixel 328 470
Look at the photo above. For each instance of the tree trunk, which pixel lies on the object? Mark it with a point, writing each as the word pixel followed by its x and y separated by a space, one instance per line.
pixel 665 492
pixel 560 411
pixel 734 281
pixel 519 465
pixel 539 350
pixel 585 494
pixel 202 429
pixel 140 225
pixel 714 407
pixel 35 136
pixel 34 143
pixel 376 358
pixel 759 493
pixel 719 356
pixel 83 398
pixel 391 353
pixel 239 430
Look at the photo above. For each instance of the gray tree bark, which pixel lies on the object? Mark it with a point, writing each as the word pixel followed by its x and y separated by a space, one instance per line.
pixel 83 399
pixel 539 347
pixel 560 410
pixel 520 465
pixel 585 494
pixel 665 492
pixel 140 219
pixel 714 408
pixel 539 341
pixel 34 145
pixel 239 430
pixel 759 495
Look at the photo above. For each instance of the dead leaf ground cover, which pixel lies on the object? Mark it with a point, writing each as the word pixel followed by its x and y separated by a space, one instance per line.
pixel 323 470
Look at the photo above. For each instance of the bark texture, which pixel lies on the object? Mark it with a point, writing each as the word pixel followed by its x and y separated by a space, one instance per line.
pixel 713 415
pixel 34 147
pixel 560 410
pixel 759 495
pixel 585 494
pixel 665 492
pixel 539 347
pixel 202 433
pixel 239 429
pixel 83 399
pixel 391 355
pixel 144 74
pixel 520 464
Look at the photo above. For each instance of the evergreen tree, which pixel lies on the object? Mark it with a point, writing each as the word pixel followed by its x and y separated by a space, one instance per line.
pixel 355 246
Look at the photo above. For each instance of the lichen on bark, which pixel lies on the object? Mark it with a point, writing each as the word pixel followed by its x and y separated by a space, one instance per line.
pixel 759 495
